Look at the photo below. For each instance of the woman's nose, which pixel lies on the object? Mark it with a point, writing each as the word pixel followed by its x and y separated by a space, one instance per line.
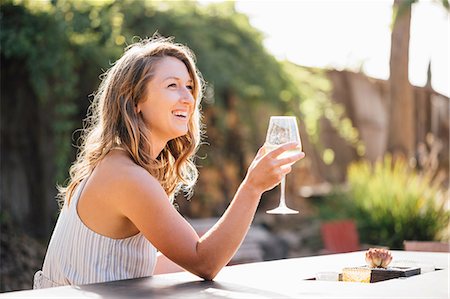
pixel 187 96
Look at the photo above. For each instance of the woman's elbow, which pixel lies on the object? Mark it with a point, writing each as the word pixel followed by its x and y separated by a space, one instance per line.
pixel 208 275
pixel 208 272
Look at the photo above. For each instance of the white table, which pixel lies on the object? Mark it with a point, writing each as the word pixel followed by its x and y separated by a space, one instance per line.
pixel 274 279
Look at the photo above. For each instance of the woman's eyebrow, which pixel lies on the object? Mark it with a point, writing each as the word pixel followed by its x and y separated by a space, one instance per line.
pixel 177 78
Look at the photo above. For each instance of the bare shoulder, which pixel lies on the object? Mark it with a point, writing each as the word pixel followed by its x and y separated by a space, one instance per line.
pixel 119 194
pixel 131 193
pixel 117 177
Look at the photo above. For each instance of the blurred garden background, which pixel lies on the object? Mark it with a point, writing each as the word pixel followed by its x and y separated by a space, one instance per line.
pixel 377 149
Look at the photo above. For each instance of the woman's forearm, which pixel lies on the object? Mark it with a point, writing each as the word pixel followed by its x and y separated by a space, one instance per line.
pixel 219 244
pixel 216 247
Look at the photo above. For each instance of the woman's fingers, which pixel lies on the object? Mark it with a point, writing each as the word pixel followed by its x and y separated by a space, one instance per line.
pixel 285 170
pixel 268 168
pixel 282 148
pixel 291 159
pixel 287 160
pixel 260 152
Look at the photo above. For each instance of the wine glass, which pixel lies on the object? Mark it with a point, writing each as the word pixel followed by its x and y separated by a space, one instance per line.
pixel 283 129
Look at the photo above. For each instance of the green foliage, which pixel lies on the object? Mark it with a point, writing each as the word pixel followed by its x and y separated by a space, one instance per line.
pixel 334 206
pixel 25 41
pixel 392 202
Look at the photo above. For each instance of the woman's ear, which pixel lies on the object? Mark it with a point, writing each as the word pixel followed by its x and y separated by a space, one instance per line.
pixel 137 108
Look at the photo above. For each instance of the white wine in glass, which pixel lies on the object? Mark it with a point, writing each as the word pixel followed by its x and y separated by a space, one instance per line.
pixel 283 129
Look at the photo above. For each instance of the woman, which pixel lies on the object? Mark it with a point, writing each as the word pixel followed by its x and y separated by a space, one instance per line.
pixel 137 152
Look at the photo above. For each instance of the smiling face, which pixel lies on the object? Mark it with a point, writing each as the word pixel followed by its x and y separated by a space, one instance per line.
pixel 169 103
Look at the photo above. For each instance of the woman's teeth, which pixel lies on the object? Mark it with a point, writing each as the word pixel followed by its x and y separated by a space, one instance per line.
pixel 180 114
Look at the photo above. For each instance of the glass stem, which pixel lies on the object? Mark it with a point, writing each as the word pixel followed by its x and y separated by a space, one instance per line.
pixel 282 197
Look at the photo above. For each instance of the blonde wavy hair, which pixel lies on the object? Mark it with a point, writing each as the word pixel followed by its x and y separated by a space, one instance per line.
pixel 113 120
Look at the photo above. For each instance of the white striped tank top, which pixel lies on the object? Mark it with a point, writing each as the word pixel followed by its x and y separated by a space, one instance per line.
pixel 77 255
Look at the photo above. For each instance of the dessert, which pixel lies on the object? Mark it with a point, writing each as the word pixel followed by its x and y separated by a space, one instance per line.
pixel 356 274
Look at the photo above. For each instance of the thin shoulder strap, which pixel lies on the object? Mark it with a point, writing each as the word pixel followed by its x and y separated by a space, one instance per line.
pixel 79 190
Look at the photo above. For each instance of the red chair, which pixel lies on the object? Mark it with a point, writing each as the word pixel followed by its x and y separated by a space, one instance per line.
pixel 340 236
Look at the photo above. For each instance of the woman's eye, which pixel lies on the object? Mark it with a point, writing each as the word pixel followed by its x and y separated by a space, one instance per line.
pixel 190 87
pixel 172 85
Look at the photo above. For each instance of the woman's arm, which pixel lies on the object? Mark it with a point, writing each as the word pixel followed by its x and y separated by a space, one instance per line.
pixel 164 265
pixel 141 199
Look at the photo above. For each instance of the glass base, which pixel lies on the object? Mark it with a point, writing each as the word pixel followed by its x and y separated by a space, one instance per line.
pixel 282 210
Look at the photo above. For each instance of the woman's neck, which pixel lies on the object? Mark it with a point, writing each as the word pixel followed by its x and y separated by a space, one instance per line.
pixel 157 147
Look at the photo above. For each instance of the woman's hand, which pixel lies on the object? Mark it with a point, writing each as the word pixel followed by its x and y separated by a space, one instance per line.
pixel 266 170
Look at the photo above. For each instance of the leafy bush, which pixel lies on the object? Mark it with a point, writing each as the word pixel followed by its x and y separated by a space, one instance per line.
pixel 393 202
